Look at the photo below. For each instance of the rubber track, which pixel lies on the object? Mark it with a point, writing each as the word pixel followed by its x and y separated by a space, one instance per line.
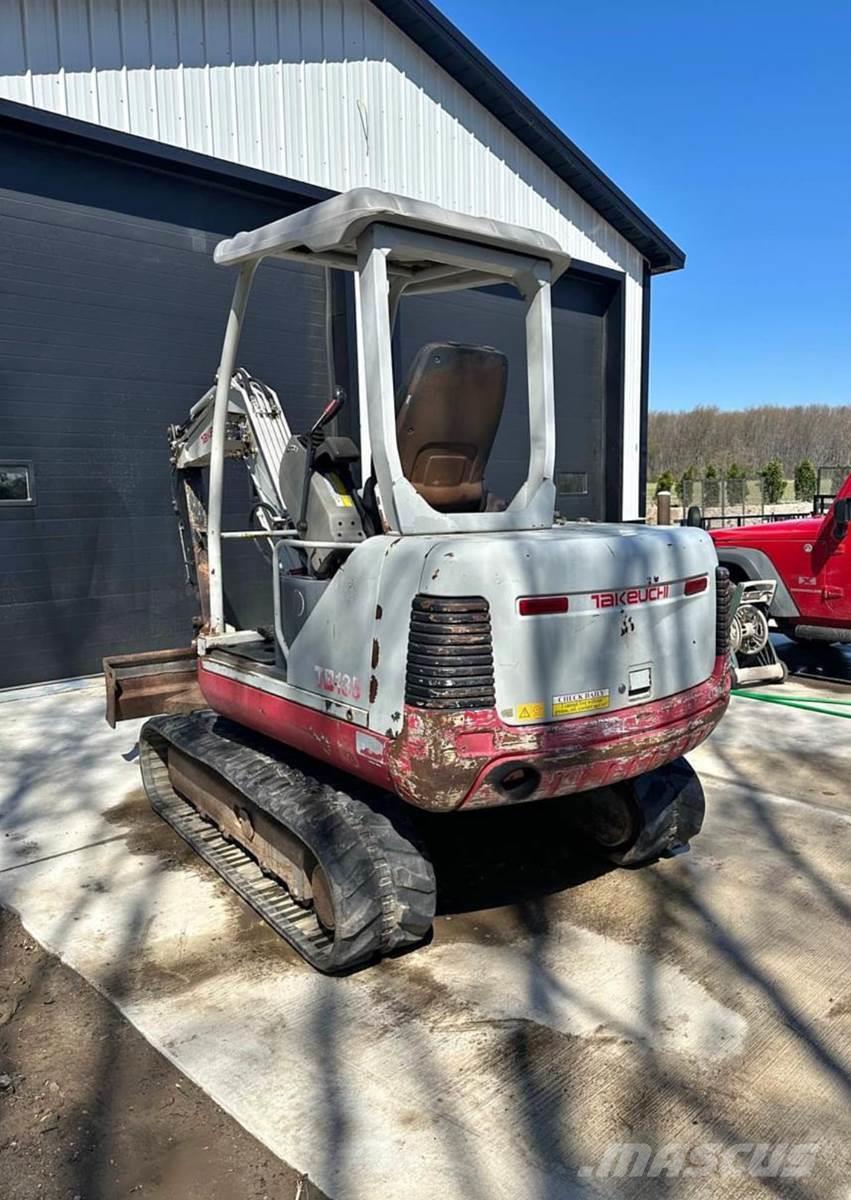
pixel 382 886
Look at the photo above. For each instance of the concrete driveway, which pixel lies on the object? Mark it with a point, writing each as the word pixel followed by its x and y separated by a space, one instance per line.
pixel 679 1031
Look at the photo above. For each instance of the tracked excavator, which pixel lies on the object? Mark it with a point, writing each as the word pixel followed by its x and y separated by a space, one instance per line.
pixel 430 646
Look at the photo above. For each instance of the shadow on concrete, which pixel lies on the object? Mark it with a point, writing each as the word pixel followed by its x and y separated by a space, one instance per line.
pixel 504 856
pixel 518 858
pixel 810 660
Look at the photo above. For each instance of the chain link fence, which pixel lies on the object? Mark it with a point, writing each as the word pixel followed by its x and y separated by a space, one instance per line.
pixel 738 501
pixel 830 480
pixel 726 497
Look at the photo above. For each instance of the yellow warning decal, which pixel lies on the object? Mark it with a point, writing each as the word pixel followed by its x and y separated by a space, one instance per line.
pixel 580 702
pixel 530 712
pixel 341 497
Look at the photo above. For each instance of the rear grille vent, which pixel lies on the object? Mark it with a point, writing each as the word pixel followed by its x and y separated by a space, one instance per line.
pixel 723 610
pixel 450 653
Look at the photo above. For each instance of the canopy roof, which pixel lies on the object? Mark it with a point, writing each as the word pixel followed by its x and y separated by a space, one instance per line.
pixel 329 231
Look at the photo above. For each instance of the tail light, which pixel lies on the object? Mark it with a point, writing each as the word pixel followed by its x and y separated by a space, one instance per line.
pixel 696 585
pixel 540 606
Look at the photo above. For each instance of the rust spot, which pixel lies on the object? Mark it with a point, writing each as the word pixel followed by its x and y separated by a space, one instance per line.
pixel 396 716
pixel 379 612
pixel 425 761
pixel 435 575
pixel 436 759
pixel 327 705
pixel 449 554
pixel 349 715
pixel 376 653
pixel 390 732
pixel 373 689
pixel 157 681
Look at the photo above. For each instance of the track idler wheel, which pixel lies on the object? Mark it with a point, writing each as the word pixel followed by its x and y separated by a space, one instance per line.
pixel 323 901
pixel 339 874
pixel 642 819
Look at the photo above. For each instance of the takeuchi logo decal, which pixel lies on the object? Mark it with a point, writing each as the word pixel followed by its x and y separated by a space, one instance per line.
pixel 638 595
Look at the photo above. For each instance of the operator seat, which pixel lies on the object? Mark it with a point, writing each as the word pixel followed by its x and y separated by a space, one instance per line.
pixel 447 421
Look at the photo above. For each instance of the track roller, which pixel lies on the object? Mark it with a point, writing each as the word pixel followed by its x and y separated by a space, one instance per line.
pixel 337 874
pixel 642 819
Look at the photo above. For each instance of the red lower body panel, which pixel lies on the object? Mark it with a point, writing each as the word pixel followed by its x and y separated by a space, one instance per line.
pixel 445 760
pixel 341 743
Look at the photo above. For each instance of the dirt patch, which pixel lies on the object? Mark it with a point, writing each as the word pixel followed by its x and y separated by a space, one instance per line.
pixel 146 833
pixel 250 944
pixel 89 1109
pixel 840 1008
pixel 249 947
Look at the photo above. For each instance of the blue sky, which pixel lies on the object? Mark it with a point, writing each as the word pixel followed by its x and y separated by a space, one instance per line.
pixel 730 125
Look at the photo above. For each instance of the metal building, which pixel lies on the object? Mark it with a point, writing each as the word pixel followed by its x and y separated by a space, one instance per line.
pixel 133 133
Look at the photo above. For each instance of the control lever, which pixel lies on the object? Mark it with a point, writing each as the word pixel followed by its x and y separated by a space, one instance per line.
pixel 330 410
pixel 327 415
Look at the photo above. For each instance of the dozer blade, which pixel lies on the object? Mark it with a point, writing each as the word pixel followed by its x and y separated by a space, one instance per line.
pixel 157 681
pixel 337 875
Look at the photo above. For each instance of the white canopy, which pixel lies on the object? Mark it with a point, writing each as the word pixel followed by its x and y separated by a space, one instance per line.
pixel 329 230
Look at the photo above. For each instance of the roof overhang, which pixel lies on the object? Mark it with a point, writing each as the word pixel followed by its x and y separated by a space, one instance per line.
pixel 85 137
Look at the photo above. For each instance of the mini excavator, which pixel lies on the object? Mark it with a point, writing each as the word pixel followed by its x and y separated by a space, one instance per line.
pixel 429 645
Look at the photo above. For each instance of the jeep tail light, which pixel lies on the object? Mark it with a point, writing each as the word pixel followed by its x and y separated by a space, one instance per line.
pixel 539 606
pixel 697 584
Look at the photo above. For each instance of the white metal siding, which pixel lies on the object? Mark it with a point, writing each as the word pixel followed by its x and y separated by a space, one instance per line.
pixel 326 91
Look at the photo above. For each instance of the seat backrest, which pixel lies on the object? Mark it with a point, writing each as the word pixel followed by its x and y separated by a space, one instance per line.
pixel 447 421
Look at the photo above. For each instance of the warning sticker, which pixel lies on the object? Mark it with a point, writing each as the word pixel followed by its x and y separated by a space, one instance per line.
pixel 530 712
pixel 338 490
pixel 580 702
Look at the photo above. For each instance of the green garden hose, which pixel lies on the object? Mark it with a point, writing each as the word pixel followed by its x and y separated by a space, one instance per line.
pixel 803 702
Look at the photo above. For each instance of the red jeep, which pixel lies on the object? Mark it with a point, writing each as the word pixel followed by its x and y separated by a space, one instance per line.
pixel 810 560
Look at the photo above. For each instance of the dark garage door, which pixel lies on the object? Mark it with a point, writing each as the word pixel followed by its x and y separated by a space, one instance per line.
pixel 110 328
pixel 588 373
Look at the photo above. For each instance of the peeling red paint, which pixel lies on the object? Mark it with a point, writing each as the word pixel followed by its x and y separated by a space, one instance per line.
pixel 443 760
pixel 424 761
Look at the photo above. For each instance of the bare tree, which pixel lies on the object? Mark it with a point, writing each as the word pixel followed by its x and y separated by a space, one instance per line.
pixel 749 437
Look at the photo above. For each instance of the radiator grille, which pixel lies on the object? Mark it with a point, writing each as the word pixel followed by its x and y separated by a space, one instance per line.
pixel 450 653
pixel 723 606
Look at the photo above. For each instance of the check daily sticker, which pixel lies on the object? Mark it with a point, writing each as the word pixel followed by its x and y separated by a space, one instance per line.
pixel 580 702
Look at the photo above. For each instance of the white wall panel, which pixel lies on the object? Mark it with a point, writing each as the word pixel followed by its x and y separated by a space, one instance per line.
pixel 326 91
